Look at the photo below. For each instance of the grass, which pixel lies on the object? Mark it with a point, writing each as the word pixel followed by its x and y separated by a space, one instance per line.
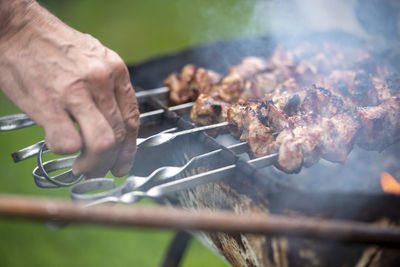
pixel 136 30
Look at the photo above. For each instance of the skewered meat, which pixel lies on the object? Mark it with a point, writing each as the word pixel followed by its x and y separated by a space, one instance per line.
pixel 380 124
pixel 331 139
pixel 209 110
pixel 321 103
pixel 265 112
pixel 234 82
pixel 191 82
pixel 247 123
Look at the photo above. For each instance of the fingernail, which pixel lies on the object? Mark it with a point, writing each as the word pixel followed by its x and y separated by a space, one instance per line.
pixel 75 169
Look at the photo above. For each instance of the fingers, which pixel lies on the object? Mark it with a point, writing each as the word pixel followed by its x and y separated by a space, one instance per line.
pixel 105 107
pixel 125 96
pixel 62 137
pixel 98 153
pixel 102 88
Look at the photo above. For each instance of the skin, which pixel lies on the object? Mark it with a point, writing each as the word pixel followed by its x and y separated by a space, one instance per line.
pixel 58 77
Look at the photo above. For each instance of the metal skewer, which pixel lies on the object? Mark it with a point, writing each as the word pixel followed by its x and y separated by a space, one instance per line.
pixel 13 122
pixel 206 177
pixel 43 179
pixel 19 121
pixel 128 193
pixel 153 140
pixel 161 92
pixel 33 150
pixel 161 138
pixel 132 183
pixel 67 178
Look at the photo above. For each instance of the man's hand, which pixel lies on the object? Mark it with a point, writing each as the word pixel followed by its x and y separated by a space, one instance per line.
pixel 59 76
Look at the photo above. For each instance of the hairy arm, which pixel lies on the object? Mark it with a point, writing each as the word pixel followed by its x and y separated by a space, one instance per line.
pixel 59 76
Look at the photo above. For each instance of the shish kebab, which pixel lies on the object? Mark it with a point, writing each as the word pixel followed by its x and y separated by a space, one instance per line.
pixel 19 121
pixel 341 108
pixel 321 102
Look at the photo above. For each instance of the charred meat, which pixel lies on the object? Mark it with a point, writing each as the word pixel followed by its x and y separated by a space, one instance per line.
pixel 321 102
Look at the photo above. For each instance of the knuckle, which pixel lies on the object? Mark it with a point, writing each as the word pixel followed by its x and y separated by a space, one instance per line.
pixel 127 89
pixel 75 92
pixel 63 144
pixel 117 124
pixel 115 60
pixel 132 119
pixel 128 153
pixel 117 64
pixel 119 133
pixel 98 71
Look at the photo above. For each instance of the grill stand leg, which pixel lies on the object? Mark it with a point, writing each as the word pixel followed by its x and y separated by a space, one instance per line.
pixel 176 249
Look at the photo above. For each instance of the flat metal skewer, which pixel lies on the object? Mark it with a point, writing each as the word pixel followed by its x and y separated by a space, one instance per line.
pixel 19 121
pixel 153 140
pixel 161 92
pixel 33 150
pixel 161 138
pixel 66 178
pixel 205 177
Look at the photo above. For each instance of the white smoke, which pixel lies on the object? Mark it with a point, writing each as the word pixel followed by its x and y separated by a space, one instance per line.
pixel 305 16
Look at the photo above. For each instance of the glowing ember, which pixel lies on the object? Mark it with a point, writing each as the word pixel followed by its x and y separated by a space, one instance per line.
pixel 389 184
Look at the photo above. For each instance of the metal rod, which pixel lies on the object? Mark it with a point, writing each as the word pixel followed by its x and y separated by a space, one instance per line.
pixel 162 138
pixel 205 220
pixel 16 121
pixel 142 96
pixel 151 116
pixel 202 128
pixel 19 121
pixel 205 177
pixel 33 150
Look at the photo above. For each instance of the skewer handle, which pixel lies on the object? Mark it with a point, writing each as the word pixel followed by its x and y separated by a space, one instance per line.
pixel 14 122
pixel 19 121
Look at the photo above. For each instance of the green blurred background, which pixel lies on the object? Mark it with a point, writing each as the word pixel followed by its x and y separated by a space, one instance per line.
pixel 137 30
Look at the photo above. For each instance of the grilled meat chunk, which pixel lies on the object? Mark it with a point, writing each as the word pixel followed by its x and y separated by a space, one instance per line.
pixel 264 112
pixel 191 82
pixel 380 125
pixel 233 83
pixel 338 136
pixel 239 117
pixel 259 138
pixel 247 124
pixel 331 139
pixel 208 110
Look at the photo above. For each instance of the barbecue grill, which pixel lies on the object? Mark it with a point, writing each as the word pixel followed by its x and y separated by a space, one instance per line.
pixel 350 195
